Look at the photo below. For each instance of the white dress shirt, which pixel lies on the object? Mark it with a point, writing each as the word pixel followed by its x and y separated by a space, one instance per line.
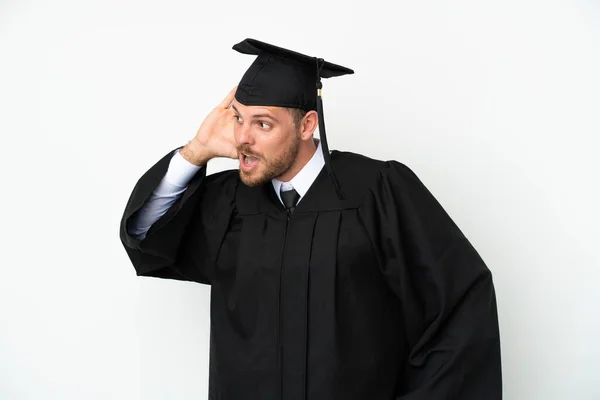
pixel 305 178
pixel 181 171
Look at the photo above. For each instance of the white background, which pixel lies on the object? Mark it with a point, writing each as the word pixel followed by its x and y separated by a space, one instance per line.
pixel 496 107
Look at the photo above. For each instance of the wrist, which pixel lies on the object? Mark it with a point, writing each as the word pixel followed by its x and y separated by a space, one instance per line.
pixel 195 153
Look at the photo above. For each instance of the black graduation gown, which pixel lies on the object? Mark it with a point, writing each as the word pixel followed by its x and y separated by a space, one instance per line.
pixel 375 297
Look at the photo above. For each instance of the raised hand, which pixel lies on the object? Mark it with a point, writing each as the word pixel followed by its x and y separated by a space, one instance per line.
pixel 215 136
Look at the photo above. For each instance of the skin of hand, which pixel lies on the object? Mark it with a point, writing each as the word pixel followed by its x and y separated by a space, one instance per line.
pixel 215 136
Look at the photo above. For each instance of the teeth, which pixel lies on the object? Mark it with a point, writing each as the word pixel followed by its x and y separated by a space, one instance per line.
pixel 250 160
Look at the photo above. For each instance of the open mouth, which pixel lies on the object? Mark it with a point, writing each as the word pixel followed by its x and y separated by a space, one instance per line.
pixel 248 162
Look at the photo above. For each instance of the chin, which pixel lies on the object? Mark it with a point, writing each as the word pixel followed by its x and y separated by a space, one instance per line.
pixel 252 180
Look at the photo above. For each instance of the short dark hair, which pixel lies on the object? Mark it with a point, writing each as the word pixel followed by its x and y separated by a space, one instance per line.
pixel 297 115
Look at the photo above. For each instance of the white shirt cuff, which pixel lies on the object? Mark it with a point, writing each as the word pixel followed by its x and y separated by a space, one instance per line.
pixel 180 171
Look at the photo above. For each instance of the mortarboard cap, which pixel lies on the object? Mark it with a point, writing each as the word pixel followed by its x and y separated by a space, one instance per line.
pixel 284 78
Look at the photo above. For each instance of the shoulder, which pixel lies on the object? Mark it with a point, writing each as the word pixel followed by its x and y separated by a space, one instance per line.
pixel 358 162
pixel 350 162
pixel 360 174
pixel 214 188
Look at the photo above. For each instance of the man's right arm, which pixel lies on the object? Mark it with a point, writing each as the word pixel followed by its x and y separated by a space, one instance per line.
pixel 170 188
pixel 176 216
pixel 184 241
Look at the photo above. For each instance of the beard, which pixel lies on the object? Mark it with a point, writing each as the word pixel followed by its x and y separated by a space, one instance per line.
pixel 272 168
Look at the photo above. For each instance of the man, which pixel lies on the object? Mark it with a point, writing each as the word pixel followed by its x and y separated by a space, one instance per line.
pixel 333 275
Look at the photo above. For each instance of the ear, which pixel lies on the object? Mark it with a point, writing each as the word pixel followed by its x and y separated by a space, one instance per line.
pixel 308 125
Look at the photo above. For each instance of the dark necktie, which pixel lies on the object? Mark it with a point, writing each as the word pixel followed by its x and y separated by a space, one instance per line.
pixel 289 198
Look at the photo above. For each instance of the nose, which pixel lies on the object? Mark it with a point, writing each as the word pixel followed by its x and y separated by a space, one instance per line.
pixel 243 134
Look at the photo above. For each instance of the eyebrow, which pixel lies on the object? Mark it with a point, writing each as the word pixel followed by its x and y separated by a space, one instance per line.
pixel 257 115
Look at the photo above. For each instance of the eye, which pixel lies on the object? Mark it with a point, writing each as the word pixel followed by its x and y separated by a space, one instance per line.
pixel 237 118
pixel 264 125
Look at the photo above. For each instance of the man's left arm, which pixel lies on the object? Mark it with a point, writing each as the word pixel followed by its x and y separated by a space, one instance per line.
pixel 445 289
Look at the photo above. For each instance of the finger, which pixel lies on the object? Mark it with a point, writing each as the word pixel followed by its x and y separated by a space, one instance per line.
pixel 229 99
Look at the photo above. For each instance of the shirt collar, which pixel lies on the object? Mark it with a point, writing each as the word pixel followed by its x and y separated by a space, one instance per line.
pixel 307 175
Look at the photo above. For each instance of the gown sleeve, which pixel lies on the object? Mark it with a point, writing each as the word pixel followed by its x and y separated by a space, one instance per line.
pixel 183 243
pixel 445 291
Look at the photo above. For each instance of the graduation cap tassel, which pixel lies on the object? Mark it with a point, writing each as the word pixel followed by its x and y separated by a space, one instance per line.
pixel 323 135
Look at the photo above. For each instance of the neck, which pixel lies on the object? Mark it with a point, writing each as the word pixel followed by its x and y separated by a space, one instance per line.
pixel 305 153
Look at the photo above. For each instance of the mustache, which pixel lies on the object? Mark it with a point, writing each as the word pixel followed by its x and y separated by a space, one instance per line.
pixel 246 150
